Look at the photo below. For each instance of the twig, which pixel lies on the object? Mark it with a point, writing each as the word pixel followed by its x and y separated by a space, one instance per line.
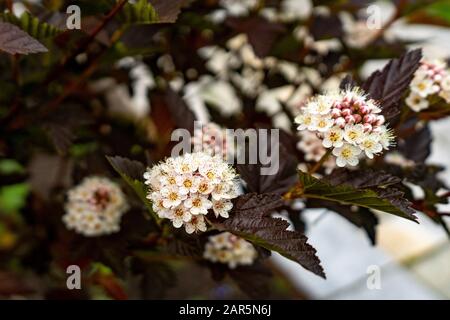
pixel 85 44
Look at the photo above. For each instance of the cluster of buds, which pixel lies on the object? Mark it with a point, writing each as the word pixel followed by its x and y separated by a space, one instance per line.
pixel 210 139
pixel 229 249
pixel 347 121
pixel 431 78
pixel 187 188
pixel 95 207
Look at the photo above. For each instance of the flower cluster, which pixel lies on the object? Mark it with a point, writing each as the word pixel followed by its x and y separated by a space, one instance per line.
pixel 211 139
pixel 431 78
pixel 348 122
pixel 185 188
pixel 229 249
pixel 95 207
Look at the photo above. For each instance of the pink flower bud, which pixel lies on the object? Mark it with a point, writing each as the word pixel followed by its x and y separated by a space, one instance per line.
pixel 346 112
pixel 357 118
pixel 379 121
pixel 340 122
pixel 364 109
pixel 376 129
pixel 335 113
pixel 369 118
pixel 367 127
pixel 350 119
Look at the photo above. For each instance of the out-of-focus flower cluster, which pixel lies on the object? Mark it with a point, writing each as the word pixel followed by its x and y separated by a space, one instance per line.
pixel 229 249
pixel 311 146
pixel 288 11
pixel 184 189
pixel 211 139
pixel 95 207
pixel 432 78
pixel 348 123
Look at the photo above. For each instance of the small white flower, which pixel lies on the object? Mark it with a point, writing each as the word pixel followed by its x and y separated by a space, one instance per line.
pixel 305 121
pixel 445 95
pixel 371 145
pixel 320 106
pixel 354 133
pixel 197 223
pixel 347 154
pixel 416 102
pixel 445 83
pixel 333 138
pixel 187 183
pixel 423 87
pixel 172 196
pixel 179 216
pixel 222 207
pixel 198 204
pixel 322 124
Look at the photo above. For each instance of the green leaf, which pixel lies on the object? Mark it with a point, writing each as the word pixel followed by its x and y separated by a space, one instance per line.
pixel 31 25
pixel 140 12
pixel 13 197
pixel 10 166
pixel 384 199
pixel 251 220
pixel 132 172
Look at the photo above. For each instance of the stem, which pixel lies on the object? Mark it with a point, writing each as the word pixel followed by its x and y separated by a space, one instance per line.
pixel 320 162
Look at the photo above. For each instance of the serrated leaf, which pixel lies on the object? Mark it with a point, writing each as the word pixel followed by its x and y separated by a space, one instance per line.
pixel 31 25
pixel 416 146
pixel 132 172
pixel 251 220
pixel 388 85
pixel 13 40
pixel 388 200
pixel 284 178
pixel 360 217
pixel 140 12
pixel 168 10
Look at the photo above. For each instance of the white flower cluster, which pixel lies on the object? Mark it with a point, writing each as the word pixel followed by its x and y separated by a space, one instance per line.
pixel 229 249
pixel 431 78
pixel 288 11
pixel 348 122
pixel 211 139
pixel 185 188
pixel 95 207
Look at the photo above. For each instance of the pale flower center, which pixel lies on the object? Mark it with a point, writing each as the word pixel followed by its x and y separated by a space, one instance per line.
pixel 346 153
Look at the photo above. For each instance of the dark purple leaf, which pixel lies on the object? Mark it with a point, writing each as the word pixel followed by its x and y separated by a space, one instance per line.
pixel 14 40
pixel 388 85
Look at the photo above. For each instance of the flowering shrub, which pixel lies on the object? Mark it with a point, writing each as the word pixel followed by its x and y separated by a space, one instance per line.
pixel 96 172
